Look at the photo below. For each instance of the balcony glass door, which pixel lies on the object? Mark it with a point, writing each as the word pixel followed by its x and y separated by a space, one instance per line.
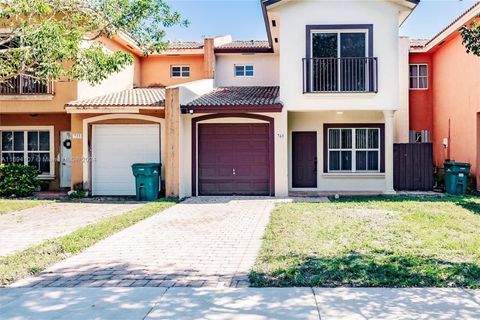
pixel 339 61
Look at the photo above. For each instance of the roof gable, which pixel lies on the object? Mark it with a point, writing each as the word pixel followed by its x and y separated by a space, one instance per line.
pixel 449 31
pixel 268 3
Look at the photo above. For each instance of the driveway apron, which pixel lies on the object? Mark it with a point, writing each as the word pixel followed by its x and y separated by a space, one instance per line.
pixel 201 242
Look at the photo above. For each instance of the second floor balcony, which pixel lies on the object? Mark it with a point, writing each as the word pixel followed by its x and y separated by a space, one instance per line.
pixel 25 85
pixel 340 75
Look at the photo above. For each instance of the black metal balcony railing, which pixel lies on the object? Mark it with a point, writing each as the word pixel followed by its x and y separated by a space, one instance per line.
pixel 340 75
pixel 25 85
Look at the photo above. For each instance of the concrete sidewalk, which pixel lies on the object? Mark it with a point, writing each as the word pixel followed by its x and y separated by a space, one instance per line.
pixel 244 303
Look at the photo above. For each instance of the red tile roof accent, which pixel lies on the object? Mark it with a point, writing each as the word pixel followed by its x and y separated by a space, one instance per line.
pixel 418 43
pixel 246 44
pixel 146 97
pixel 185 45
pixel 477 4
pixel 238 96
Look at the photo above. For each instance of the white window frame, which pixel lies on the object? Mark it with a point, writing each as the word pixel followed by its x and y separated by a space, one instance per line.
pixel 182 67
pixel 25 130
pixel 338 32
pixel 354 149
pixel 418 76
pixel 244 70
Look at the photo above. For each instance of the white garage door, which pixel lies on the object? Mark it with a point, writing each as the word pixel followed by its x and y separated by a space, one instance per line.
pixel 115 149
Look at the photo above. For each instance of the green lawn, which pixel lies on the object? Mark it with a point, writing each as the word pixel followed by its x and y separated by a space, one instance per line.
pixel 7 206
pixel 372 242
pixel 36 259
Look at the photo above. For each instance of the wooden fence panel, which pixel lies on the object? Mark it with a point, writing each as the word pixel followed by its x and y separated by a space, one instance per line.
pixel 413 167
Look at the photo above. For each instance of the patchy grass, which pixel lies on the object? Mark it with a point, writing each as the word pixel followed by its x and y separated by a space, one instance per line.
pixel 38 258
pixel 7 206
pixel 372 242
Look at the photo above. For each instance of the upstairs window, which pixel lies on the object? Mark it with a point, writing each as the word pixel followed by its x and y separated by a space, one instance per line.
pixel 339 44
pixel 180 71
pixel 21 84
pixel 418 76
pixel 244 71
pixel 339 59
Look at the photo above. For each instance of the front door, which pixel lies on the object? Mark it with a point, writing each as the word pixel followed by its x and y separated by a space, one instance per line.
pixel 304 156
pixel 65 159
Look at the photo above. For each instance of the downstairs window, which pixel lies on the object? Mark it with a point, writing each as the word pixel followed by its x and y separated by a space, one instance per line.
pixel 28 147
pixel 354 149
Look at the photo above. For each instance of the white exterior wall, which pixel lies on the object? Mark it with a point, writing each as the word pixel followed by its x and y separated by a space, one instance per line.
pixel 333 182
pixel 296 15
pixel 402 116
pixel 281 160
pixel 266 69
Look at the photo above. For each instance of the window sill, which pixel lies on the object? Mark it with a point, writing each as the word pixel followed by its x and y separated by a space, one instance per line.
pixel 28 97
pixel 349 175
pixel 46 177
pixel 340 94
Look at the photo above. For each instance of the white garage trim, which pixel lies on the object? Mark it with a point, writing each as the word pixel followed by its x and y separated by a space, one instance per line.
pixel 88 121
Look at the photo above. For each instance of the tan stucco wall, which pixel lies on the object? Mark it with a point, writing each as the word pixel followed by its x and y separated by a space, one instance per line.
pixel 155 70
pixel 64 92
pixel 61 122
pixel 314 121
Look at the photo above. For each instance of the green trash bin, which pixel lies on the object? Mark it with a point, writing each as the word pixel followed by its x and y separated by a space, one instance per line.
pixel 147 176
pixel 456 177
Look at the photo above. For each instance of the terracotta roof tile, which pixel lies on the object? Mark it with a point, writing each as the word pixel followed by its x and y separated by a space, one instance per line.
pixel 246 44
pixel 185 45
pixel 238 96
pixel 473 7
pixel 418 43
pixel 147 97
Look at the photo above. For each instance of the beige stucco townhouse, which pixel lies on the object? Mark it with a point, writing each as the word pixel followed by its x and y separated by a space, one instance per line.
pixel 314 109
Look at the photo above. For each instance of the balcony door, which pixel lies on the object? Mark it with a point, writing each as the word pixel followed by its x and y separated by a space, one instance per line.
pixel 339 61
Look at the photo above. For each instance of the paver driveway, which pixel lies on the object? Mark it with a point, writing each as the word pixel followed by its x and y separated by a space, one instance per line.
pixel 26 228
pixel 206 241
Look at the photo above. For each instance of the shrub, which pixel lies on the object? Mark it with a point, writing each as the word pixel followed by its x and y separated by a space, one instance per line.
pixel 18 180
pixel 78 192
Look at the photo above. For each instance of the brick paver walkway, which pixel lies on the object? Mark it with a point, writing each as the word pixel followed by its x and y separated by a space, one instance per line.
pixel 26 228
pixel 206 241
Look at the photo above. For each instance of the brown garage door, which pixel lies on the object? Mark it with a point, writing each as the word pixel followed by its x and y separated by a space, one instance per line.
pixel 233 159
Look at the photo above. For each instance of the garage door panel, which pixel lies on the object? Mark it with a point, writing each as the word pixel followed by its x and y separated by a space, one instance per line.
pixel 212 171
pixel 252 172
pixel 115 148
pixel 261 131
pixel 243 147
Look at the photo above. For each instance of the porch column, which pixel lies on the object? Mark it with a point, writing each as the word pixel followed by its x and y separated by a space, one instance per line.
pixel 172 145
pixel 389 140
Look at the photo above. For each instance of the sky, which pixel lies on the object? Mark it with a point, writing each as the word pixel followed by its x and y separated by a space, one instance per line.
pixel 244 21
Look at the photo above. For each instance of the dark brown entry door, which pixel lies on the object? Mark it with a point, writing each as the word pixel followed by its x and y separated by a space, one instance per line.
pixel 233 159
pixel 304 156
